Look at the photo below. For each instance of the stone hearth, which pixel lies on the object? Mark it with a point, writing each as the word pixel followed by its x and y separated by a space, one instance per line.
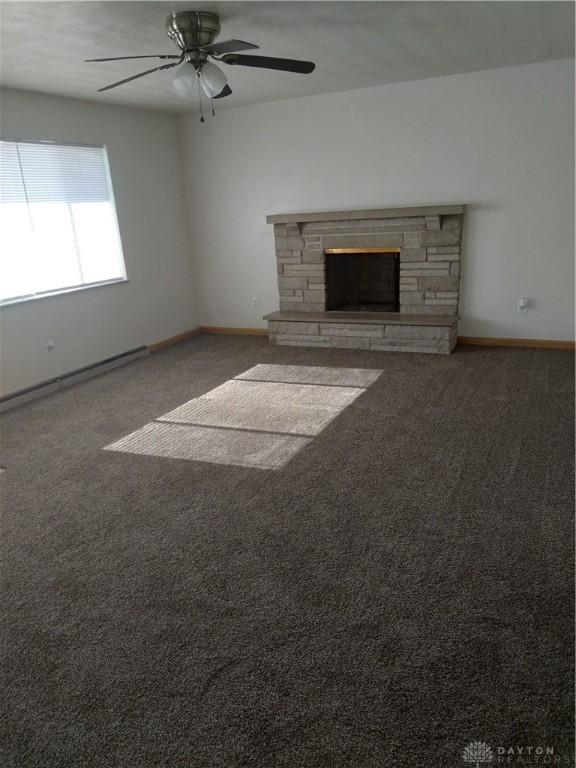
pixel 428 241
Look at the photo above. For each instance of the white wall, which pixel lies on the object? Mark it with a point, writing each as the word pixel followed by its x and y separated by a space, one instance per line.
pixel 158 301
pixel 500 140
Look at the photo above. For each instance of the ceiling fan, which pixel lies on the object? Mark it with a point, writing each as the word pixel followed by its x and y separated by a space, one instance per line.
pixel 194 33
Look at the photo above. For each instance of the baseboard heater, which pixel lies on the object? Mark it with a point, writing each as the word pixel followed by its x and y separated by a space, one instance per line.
pixel 67 379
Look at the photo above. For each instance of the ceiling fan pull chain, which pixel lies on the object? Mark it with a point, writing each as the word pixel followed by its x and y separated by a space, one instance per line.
pixel 212 105
pixel 200 96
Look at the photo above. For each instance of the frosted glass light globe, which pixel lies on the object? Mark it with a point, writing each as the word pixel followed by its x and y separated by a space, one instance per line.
pixel 212 80
pixel 185 80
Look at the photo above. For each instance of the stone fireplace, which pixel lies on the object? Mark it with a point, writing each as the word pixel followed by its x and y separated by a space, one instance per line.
pixel 372 279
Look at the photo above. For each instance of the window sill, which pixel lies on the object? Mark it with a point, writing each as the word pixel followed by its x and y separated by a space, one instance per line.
pixel 60 292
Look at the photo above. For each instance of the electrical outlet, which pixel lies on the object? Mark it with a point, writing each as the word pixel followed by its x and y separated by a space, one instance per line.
pixel 50 344
pixel 522 305
pixel 256 301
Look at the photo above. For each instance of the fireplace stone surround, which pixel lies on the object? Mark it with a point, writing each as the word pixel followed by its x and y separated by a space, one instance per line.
pixel 428 241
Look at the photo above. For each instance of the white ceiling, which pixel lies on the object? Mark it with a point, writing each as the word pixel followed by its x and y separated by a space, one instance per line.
pixel 354 44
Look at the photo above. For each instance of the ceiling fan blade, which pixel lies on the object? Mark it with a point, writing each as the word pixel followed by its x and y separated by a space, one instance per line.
pixel 266 62
pixel 228 46
pixel 141 74
pixel 226 91
pixel 151 56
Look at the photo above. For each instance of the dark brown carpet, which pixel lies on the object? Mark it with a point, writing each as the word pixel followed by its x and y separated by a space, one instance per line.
pixel 402 587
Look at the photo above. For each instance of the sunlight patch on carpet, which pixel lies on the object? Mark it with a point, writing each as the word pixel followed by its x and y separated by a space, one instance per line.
pixel 260 419
pixel 216 446
pixel 296 409
pixel 312 374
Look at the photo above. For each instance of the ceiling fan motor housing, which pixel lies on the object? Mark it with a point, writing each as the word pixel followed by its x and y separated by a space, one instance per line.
pixel 192 29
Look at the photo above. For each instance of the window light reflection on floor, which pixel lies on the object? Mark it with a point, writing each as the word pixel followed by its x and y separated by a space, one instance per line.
pixel 260 419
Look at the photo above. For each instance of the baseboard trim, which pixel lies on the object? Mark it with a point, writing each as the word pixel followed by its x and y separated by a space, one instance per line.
pixel 233 331
pixel 206 329
pixel 536 343
pixel 173 340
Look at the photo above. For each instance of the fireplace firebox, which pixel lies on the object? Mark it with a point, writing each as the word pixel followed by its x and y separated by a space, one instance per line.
pixel 362 280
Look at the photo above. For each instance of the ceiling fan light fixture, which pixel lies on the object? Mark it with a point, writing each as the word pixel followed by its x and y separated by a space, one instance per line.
pixel 185 81
pixel 212 80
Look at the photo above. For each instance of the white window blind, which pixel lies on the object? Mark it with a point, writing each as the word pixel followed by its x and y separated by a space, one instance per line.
pixel 58 228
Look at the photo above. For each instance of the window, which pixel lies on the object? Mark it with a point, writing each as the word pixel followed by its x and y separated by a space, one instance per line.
pixel 58 228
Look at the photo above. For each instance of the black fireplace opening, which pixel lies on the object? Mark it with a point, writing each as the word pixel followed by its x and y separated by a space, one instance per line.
pixel 363 282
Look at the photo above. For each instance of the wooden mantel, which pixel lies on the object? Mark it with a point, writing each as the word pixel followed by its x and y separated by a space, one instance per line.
pixel 370 213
